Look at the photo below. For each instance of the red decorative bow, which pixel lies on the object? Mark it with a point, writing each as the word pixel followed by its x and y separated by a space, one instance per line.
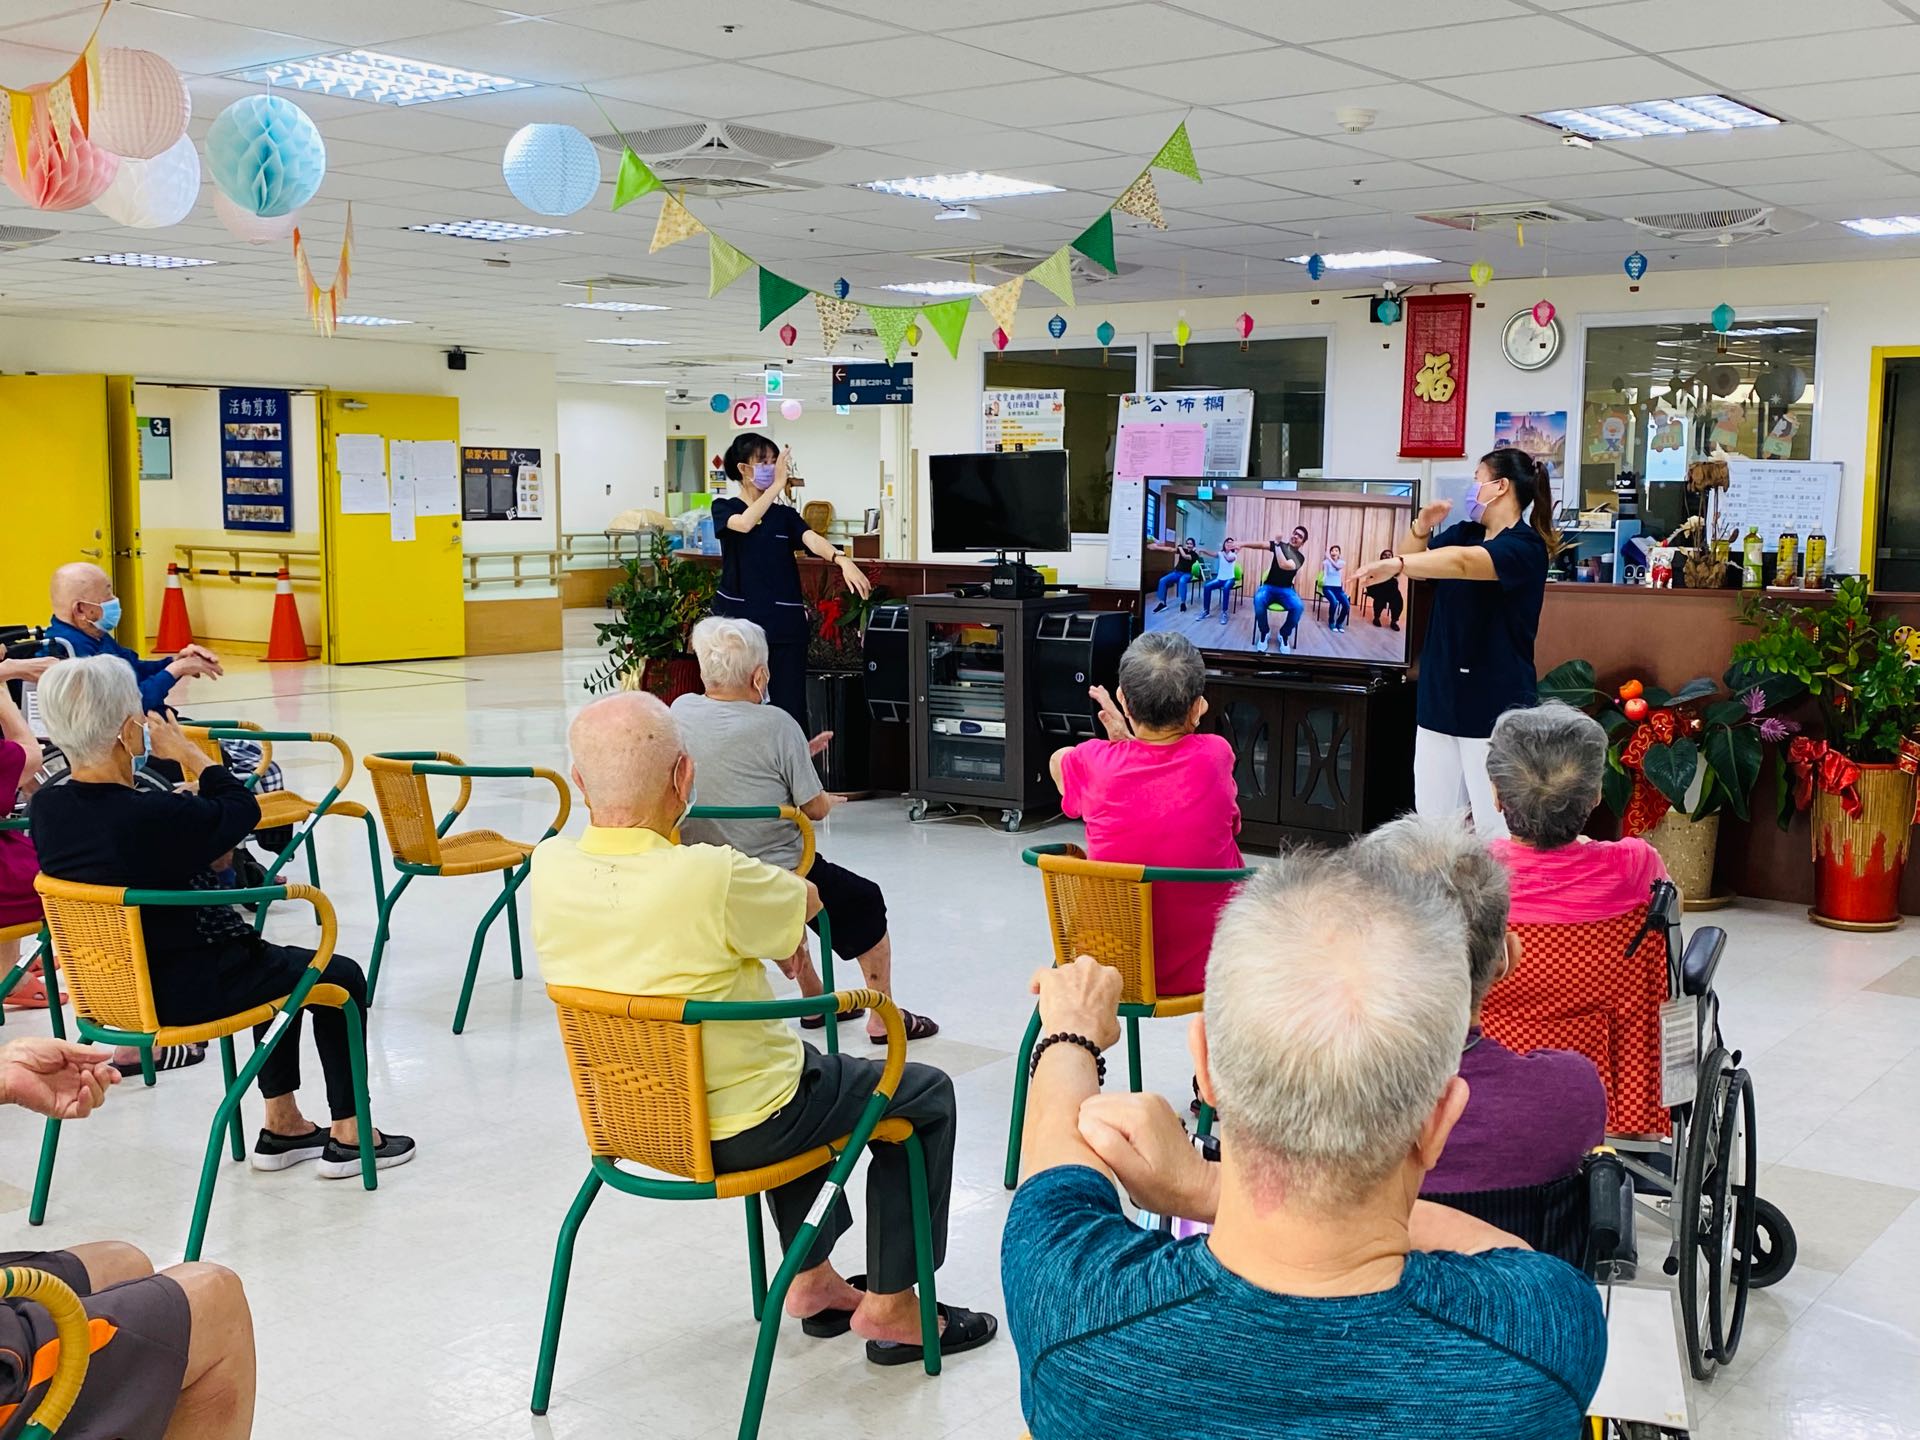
pixel 1817 764
pixel 1646 807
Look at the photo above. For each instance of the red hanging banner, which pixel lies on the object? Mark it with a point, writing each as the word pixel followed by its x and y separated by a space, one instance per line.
pixel 1433 409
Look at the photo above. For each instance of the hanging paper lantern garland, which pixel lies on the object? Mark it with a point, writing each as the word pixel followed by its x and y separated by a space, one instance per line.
pixel 1635 265
pixel 1182 332
pixel 245 225
pixel 1057 326
pixel 1103 332
pixel 1245 322
pixel 1387 310
pixel 999 338
pixel 142 107
pixel 266 155
pixel 1316 266
pixel 64 170
pixel 913 337
pixel 788 335
pixel 151 194
pixel 323 301
pixel 719 405
pixel 1723 317
pixel 790 409
pixel 1543 313
pixel 551 169
pixel 1480 272
pixel 840 288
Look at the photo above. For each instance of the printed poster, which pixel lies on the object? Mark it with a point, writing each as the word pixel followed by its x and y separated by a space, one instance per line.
pixel 1218 422
pixel 496 480
pixel 1540 433
pixel 256 474
pixel 1433 406
pixel 1023 420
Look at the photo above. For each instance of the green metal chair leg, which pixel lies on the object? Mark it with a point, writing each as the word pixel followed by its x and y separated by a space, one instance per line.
pixel 1133 1053
pixel 362 1111
pixel 54 1016
pixel 42 949
pixel 832 1035
pixel 756 1256
pixel 756 1400
pixel 272 877
pixel 388 901
pixel 512 879
pixel 146 1063
pixel 373 854
pixel 313 856
pixel 923 1255
pixel 1018 1120
pixel 557 1292
pixel 235 1138
pixel 43 1178
pixel 473 957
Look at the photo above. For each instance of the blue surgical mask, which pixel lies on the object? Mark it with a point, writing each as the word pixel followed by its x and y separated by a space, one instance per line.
pixel 763 476
pixel 146 740
pixel 109 613
pixel 693 798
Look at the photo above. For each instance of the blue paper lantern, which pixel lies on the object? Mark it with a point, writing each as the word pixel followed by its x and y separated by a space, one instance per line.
pixel 265 155
pixel 1057 326
pixel 840 289
pixel 1316 267
pixel 551 169
pixel 1105 331
pixel 718 404
pixel 1387 311
pixel 1635 265
pixel 1723 317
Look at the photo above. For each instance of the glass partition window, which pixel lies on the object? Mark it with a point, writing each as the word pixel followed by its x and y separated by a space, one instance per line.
pixel 1289 383
pixel 1094 380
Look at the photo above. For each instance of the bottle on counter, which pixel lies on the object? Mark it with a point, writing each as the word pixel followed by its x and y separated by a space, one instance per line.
pixel 1752 568
pixel 1816 561
pixel 1785 556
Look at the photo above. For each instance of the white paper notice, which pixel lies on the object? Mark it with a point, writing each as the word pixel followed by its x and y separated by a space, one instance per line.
pixel 436 477
pixel 363 494
pixel 400 460
pixel 400 511
pixel 362 454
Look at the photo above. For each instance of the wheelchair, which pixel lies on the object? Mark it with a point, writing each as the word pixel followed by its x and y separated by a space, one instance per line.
pixel 1640 1004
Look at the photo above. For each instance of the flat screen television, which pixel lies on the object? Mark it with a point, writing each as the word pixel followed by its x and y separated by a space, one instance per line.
pixel 1191 524
pixel 1000 501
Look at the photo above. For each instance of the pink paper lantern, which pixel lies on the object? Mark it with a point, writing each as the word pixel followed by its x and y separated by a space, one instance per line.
pixel 57 179
pixel 788 335
pixel 790 409
pixel 999 338
pixel 244 225
pixel 1246 325
pixel 1543 314
pixel 143 105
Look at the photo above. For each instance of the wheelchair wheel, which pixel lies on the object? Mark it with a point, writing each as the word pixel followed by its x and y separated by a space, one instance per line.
pixel 1775 1246
pixel 1730 1189
pixel 1692 1215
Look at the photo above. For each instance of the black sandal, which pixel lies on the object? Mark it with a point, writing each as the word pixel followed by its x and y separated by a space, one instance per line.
pixel 819 1022
pixel 919 1027
pixel 965 1330
pixel 830 1324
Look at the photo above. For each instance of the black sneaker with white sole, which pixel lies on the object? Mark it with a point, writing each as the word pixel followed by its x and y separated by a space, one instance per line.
pixel 342 1162
pixel 282 1152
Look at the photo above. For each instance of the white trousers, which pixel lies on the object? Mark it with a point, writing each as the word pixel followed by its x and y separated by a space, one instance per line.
pixel 1450 778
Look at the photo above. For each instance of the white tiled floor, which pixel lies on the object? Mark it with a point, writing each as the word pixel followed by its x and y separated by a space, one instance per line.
pixel 415 1311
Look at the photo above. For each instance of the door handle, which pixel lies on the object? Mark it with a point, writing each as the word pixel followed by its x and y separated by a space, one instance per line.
pixel 94 553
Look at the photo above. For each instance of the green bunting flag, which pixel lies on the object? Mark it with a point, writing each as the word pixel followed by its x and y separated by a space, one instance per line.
pixel 724 265
pixel 1096 243
pixel 948 320
pixel 890 323
pixel 1056 273
pixel 777 296
pixel 1177 155
pixel 634 180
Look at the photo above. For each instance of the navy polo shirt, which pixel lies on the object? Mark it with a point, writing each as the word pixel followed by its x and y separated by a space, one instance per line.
pixel 759 578
pixel 1477 662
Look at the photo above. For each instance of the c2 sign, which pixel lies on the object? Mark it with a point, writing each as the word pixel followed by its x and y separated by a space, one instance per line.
pixel 749 413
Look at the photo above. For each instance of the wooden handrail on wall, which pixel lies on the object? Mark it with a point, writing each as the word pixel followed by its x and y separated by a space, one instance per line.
pixel 235 571
pixel 519 577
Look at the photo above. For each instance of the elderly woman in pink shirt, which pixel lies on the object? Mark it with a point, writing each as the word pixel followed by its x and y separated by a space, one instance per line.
pixel 1155 792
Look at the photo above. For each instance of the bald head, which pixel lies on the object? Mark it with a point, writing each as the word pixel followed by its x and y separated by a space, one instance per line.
pixel 629 762
pixel 80 584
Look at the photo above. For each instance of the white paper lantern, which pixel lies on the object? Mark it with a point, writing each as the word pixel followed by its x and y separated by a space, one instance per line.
pixel 152 194
pixel 551 169
pixel 254 229
pixel 143 105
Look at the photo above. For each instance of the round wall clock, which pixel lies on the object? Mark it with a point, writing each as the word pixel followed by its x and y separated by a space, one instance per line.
pixel 1528 346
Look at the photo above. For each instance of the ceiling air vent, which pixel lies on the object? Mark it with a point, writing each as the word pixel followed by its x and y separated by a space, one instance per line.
pixel 1722 227
pixel 620 282
pixel 722 161
pixel 19 237
pixel 1483 217
pixel 1019 262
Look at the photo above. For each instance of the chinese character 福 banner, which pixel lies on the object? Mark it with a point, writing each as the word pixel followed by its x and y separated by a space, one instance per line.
pixel 1433 409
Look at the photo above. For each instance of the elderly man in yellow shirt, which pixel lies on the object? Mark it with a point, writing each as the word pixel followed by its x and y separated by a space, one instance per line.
pixel 623 909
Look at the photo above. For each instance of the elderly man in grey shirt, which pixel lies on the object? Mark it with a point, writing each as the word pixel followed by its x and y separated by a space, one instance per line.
pixel 747 752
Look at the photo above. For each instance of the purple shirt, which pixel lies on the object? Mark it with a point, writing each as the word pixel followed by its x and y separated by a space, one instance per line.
pixel 1529 1118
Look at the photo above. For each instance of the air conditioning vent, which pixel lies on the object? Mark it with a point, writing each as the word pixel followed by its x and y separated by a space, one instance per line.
pixel 1008 263
pixel 1481 217
pixel 1722 227
pixel 620 282
pixel 722 161
pixel 19 237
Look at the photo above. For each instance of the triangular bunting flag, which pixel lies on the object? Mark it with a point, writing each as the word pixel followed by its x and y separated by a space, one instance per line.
pixel 948 320
pixel 724 265
pixel 1096 243
pixel 836 318
pixel 20 117
pixel 1056 273
pixel 890 323
pixel 1177 155
pixel 635 179
pixel 1143 200
pixel 777 296
pixel 676 224
pixel 1002 301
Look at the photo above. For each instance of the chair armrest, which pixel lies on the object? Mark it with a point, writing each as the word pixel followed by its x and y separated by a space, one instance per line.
pixel 1160 875
pixel 764 812
pixel 1033 853
pixel 442 757
pixel 70 1325
pixel 469 773
pixel 1611 1243
pixel 13 822
pixel 839 1002
pixel 289 737
pixel 213 731
pixel 1701 959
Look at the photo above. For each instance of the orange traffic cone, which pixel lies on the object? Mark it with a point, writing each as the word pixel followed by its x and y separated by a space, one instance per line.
pixel 287 641
pixel 176 630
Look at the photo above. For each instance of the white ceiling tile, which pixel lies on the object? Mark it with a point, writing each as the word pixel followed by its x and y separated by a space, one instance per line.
pixel 1592 82
pixel 1840 99
pixel 1144 133
pixel 994 151
pixel 1262 157
pixel 1249 75
pixel 1758 143
pixel 867 123
pixel 766 28
pixel 1879 130
pixel 911 65
pixel 351 24
pixel 553 51
pixel 1755 64
pixel 1847 165
pixel 1061 100
pixel 1900 190
pixel 1394 106
pixel 1658 25
pixel 1306 22
pixel 1491 46
pixel 195 46
pixel 1117 38
pixel 1285 210
pixel 1500 136
pixel 724 92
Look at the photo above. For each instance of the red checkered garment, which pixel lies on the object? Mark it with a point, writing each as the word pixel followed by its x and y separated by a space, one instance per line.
pixel 1576 988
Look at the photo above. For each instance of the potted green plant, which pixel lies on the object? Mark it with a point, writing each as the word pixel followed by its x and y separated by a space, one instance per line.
pixel 657 602
pixel 1678 760
pixel 1859 779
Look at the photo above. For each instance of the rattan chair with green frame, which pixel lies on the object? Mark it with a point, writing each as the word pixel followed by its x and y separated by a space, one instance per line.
pixel 30 930
pixel 74 1335
pixel 639 1076
pixel 423 847
pixel 1105 909
pixel 102 949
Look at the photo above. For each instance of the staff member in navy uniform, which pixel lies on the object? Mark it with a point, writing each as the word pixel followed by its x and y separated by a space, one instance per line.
pixel 1477 662
pixel 759 530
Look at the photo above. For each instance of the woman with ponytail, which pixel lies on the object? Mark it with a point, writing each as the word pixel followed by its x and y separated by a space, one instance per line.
pixel 1477 662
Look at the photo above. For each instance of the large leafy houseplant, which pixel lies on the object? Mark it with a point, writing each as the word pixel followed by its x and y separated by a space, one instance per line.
pixel 838 619
pixel 657 603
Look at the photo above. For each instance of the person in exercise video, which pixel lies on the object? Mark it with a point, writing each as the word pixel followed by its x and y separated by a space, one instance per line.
pixel 1186 555
pixel 1224 579
pixel 1333 580
pixel 1286 559
pixel 1387 595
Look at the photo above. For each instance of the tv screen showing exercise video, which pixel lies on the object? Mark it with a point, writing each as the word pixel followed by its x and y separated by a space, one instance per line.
pixel 1244 569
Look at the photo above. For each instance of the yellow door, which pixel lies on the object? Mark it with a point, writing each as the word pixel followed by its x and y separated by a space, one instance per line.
pixel 123 483
pixel 59 506
pixel 389 599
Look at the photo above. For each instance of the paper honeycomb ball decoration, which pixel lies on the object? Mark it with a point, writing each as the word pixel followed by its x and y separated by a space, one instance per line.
pixel 1480 272
pixel 245 225
pixel 265 155
pixel 57 178
pixel 152 194
pixel 791 409
pixel 143 105
pixel 551 169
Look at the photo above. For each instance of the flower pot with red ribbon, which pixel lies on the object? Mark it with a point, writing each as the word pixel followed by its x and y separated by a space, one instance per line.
pixel 1863 816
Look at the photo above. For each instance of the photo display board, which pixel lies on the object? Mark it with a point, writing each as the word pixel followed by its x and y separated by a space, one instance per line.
pixel 256 477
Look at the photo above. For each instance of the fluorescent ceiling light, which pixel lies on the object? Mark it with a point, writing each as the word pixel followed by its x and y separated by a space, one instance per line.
pixel 488 230
pixel 383 79
pixel 1656 117
pixel 940 287
pixel 137 260
pixel 1767 330
pixel 958 189
pixel 628 340
pixel 623 306
pixel 369 320
pixel 1886 225
pixel 1366 259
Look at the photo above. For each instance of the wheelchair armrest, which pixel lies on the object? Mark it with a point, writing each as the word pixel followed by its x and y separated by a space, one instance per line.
pixel 1612 1247
pixel 1701 959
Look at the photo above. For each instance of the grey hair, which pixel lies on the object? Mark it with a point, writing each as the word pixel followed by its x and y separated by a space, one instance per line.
pixel 1546 765
pixel 729 651
pixel 1336 1007
pixel 1161 675
pixel 86 702
pixel 1445 853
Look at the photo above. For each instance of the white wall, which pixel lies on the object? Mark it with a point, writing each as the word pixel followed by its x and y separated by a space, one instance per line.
pixel 613 451
pixel 838 454
pixel 1859 306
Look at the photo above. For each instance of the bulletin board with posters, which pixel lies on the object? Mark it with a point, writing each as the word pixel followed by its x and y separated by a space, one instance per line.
pixel 1023 420
pixel 256 471
pixel 501 483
